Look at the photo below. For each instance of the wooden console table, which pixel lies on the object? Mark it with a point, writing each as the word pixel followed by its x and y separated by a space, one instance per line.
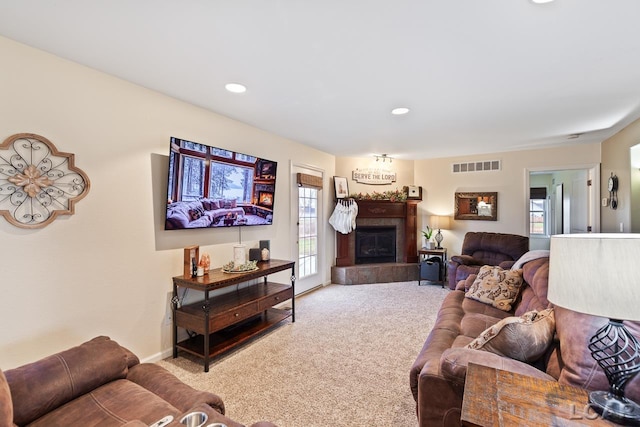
pixel 227 320
pixel 493 397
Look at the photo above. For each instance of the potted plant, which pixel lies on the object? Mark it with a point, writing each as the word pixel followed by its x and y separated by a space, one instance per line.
pixel 428 243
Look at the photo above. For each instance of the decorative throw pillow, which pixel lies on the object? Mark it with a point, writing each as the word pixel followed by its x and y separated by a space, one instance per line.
pixel 496 286
pixel 194 214
pixel 207 204
pixel 525 338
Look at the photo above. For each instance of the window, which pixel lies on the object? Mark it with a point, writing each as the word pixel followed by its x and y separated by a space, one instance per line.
pixel 537 214
pixel 307 231
pixel 231 182
pixel 538 211
pixel 192 188
pixel 211 172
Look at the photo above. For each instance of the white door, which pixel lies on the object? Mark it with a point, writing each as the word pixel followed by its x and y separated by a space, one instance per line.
pixel 307 217
pixel 579 215
pixel 558 210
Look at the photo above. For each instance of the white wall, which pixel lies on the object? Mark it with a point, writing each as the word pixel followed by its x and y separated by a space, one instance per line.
pixel 107 269
pixel 616 159
pixel 634 178
pixel 403 169
pixel 440 184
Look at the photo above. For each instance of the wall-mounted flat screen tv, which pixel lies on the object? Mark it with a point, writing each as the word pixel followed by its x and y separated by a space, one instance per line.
pixel 215 187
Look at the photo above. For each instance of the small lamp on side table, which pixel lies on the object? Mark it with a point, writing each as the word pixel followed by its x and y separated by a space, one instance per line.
pixel 597 274
pixel 441 223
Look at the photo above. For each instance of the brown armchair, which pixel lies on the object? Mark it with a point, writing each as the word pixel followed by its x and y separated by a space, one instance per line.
pixel 482 248
pixel 100 383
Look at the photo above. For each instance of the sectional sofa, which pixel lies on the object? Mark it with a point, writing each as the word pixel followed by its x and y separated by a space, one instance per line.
pixel 200 213
pixel 552 346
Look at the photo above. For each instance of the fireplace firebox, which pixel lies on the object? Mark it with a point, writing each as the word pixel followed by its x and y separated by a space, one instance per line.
pixel 375 244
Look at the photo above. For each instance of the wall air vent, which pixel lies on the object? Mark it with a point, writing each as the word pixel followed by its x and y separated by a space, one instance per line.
pixel 484 166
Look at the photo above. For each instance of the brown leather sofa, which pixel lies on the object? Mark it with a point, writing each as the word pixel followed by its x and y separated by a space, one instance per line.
pixel 100 383
pixel 483 248
pixel 437 377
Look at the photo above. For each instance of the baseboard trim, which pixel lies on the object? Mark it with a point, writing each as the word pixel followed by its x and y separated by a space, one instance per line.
pixel 158 356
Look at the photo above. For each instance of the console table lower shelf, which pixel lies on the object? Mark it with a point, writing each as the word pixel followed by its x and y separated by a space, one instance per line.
pixel 219 323
pixel 226 339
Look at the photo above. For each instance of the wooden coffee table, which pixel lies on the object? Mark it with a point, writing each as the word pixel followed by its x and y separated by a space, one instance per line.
pixel 493 397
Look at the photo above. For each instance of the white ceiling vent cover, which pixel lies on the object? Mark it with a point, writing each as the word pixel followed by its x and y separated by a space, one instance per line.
pixel 484 166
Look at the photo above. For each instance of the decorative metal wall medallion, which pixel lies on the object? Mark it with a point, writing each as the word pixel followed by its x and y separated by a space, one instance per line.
pixel 37 182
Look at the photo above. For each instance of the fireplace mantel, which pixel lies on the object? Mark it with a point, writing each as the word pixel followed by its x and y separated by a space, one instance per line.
pixel 381 209
pixel 406 211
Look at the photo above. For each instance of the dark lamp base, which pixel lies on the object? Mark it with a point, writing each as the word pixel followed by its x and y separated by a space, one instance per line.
pixel 439 239
pixel 619 410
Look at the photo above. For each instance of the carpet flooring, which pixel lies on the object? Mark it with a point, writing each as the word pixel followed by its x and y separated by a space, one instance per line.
pixel 344 362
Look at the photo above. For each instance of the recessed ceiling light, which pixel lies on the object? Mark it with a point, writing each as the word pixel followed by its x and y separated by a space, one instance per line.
pixel 399 111
pixel 235 87
pixel 541 1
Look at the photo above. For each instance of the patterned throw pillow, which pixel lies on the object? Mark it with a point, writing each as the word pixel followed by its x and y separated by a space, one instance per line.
pixel 209 204
pixel 194 214
pixel 496 286
pixel 525 338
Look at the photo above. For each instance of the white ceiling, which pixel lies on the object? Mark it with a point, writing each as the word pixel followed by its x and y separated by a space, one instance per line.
pixel 478 75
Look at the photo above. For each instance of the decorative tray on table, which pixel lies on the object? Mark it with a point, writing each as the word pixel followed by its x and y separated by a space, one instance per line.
pixel 247 267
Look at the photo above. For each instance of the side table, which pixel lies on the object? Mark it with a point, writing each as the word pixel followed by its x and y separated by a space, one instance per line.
pixel 423 256
pixel 493 397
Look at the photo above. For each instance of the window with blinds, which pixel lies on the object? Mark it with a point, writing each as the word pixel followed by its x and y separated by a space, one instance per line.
pixel 538 211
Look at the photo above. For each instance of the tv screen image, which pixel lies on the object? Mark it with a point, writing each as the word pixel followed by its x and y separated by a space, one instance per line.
pixel 214 187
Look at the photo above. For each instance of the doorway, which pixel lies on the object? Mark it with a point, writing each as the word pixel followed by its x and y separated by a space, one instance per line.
pixel 634 203
pixel 571 202
pixel 307 217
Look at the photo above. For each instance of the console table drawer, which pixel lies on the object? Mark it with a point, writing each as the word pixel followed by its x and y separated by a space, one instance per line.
pixel 274 299
pixel 228 318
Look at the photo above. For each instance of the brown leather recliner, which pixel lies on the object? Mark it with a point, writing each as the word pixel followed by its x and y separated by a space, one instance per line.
pixel 101 383
pixel 483 248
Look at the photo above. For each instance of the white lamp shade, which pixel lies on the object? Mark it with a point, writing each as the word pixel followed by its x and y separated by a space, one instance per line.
pixel 596 274
pixel 439 222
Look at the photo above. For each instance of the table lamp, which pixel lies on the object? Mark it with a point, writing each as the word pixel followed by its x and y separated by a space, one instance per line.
pixel 441 223
pixel 597 274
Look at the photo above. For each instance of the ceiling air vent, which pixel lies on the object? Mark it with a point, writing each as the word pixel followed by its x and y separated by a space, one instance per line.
pixel 484 166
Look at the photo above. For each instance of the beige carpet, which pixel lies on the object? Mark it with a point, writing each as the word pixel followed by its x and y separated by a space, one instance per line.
pixel 344 362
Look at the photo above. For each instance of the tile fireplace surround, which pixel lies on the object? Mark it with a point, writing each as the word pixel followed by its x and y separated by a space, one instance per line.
pixel 402 215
